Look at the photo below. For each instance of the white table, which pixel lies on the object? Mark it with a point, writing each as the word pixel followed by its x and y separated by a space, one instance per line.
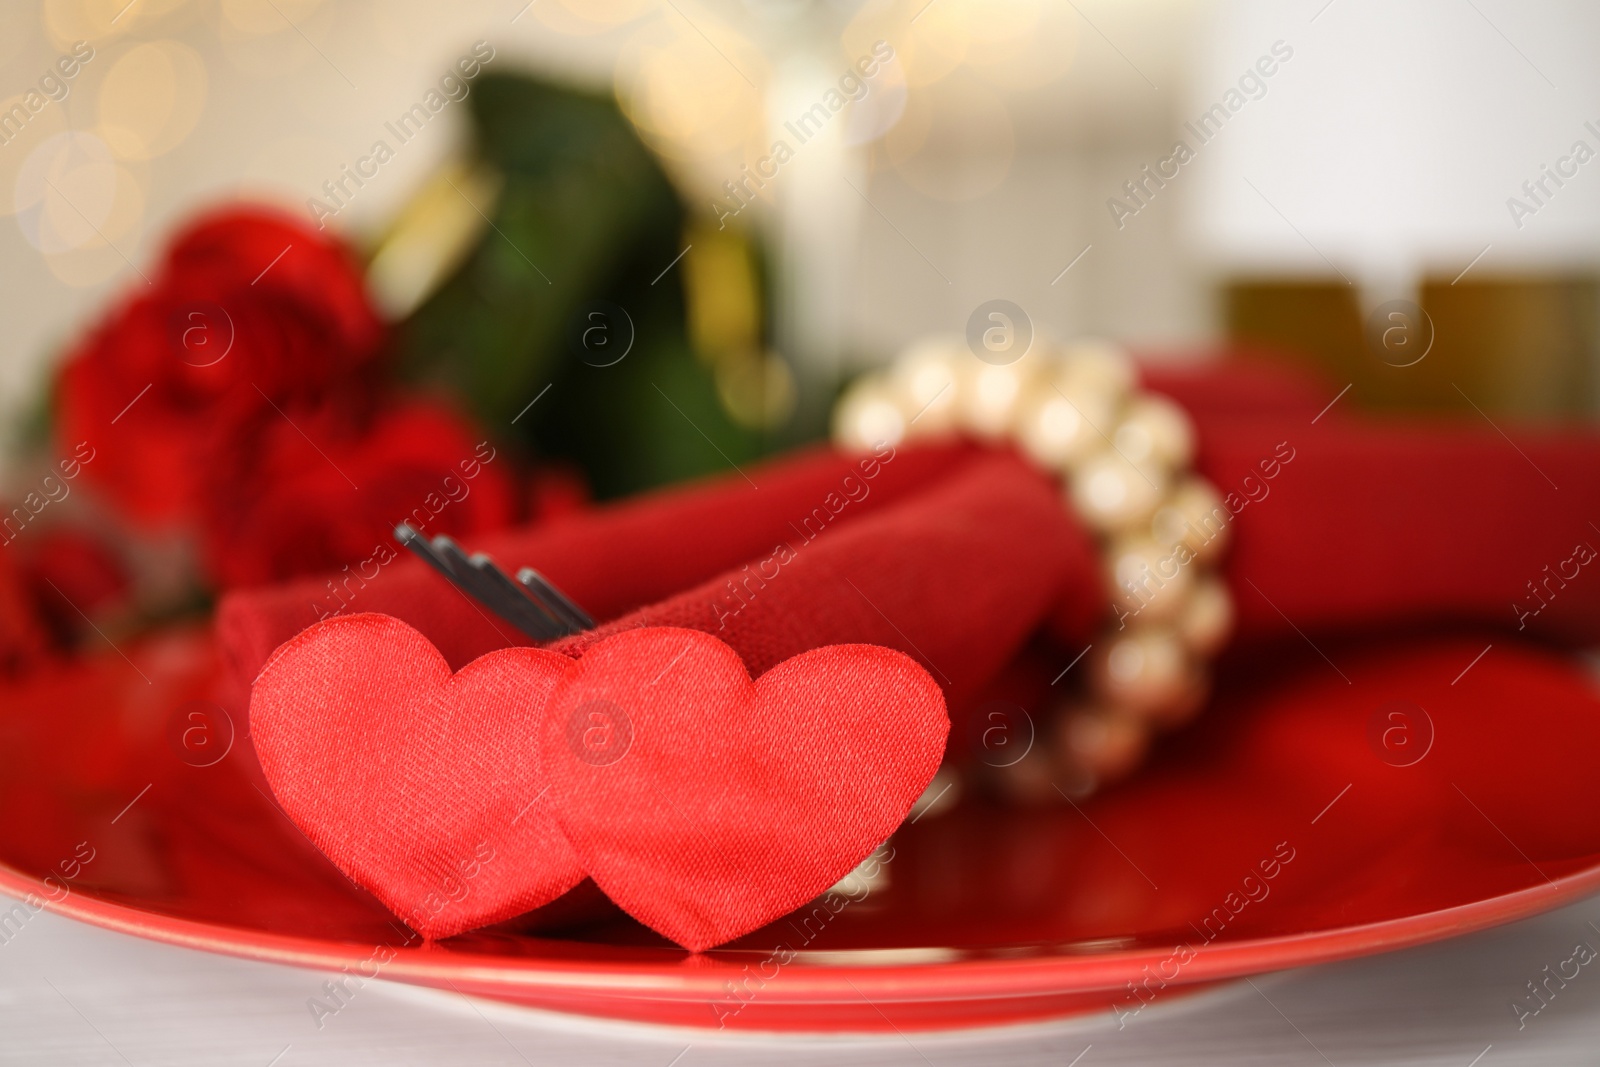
pixel 73 994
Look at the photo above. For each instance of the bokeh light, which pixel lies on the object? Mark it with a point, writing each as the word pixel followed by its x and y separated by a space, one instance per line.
pixel 151 99
pixel 79 207
pixel 963 111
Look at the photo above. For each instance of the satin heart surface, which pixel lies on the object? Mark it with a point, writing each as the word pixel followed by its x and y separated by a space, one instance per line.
pixel 703 804
pixel 707 805
pixel 421 785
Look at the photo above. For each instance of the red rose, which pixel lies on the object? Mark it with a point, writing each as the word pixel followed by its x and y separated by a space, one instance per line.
pixel 23 640
pixel 250 306
pixel 70 571
pixel 308 491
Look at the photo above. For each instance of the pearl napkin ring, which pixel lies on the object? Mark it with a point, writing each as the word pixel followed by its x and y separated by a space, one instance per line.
pixel 1124 457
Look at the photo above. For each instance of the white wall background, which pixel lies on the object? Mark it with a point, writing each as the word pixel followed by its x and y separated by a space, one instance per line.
pixel 1389 143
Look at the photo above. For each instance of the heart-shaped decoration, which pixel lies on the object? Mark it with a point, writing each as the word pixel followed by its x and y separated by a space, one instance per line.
pixel 707 805
pixel 421 785
pixel 704 804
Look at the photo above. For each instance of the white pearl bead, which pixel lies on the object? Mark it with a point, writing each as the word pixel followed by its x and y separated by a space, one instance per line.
pixel 1155 434
pixel 1105 744
pixel 1143 669
pixel 927 378
pixel 1148 580
pixel 1029 781
pixel 1052 430
pixel 1192 694
pixel 1194 516
pixel 868 417
pixel 1061 422
pixel 990 396
pixel 1110 494
pixel 1099 366
pixel 1207 618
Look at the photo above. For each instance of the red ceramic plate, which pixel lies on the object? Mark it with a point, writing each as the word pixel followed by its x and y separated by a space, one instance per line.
pixel 1315 813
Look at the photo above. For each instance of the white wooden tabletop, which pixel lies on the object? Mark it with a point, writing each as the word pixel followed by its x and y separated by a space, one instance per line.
pixel 73 994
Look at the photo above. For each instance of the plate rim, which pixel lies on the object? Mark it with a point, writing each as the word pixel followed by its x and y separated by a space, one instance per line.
pixel 821 983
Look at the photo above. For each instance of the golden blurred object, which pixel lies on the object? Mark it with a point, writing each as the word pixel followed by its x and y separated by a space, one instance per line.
pixel 1521 347
pixel 758 391
pixel 432 235
pixel 1104 744
pixel 724 294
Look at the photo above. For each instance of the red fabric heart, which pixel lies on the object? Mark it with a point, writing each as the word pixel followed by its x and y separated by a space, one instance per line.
pixel 703 803
pixel 422 786
pixel 706 805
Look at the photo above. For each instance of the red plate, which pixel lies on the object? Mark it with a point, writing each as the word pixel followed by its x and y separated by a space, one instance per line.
pixel 1307 818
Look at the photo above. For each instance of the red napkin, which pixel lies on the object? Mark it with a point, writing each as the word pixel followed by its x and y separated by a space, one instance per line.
pixel 612 561
pixel 1394 523
pixel 1341 523
pixel 956 575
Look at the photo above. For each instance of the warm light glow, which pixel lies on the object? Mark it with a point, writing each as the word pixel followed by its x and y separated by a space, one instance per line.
pixel 266 16
pixel 151 99
pixel 960 111
pixel 14 154
pixel 71 194
pixel 68 21
pixel 689 95
pixel 588 17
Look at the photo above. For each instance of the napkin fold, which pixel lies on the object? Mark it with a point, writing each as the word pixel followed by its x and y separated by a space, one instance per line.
pixel 955 554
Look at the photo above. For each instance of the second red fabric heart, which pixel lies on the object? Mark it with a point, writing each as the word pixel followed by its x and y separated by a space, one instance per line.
pixel 707 805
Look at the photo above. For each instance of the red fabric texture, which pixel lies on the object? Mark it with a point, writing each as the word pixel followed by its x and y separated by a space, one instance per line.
pixel 1369 524
pixel 1389 522
pixel 417 783
pixel 956 577
pixel 1375 525
pixel 706 805
pixel 612 560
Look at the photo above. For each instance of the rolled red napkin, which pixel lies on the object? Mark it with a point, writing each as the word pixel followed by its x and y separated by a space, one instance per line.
pixel 1347 522
pixel 957 576
pixel 956 555
pixel 611 560
pixel 952 556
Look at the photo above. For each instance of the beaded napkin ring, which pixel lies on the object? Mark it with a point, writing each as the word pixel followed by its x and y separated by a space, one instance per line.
pixel 1124 456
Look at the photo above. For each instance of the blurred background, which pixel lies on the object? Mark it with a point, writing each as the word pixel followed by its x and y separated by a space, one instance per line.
pixel 756 199
pixel 613 244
